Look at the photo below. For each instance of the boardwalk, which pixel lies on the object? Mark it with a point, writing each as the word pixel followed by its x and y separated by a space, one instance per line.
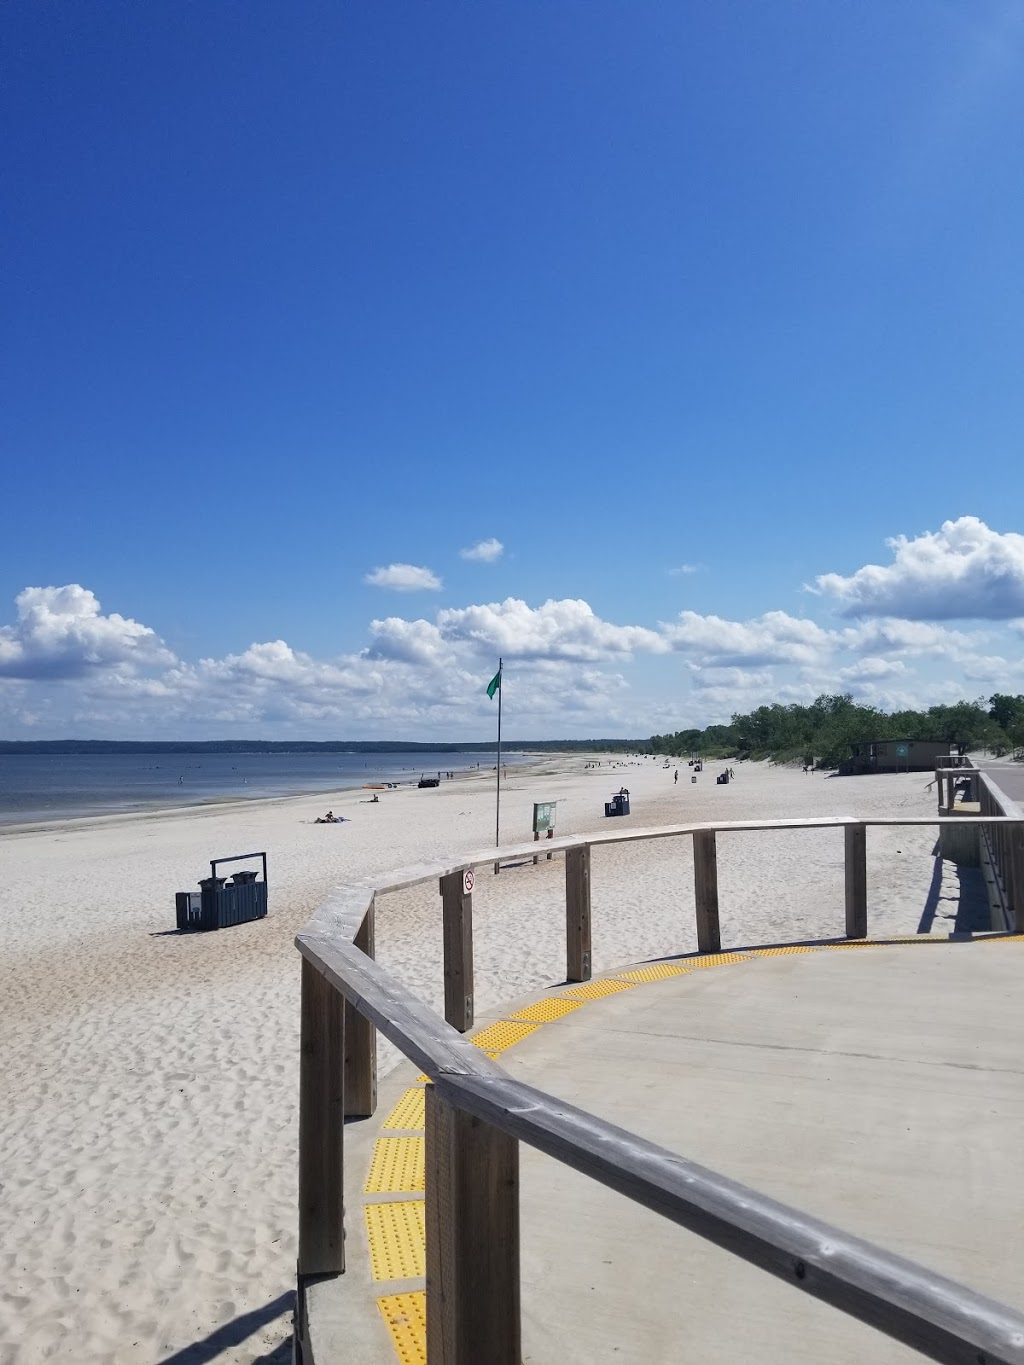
pixel 896 1122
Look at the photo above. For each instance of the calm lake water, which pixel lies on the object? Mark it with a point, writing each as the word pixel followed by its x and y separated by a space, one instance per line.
pixel 60 786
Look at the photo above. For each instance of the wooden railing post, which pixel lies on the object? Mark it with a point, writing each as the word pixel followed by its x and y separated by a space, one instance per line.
pixel 457 915
pixel 939 784
pixel 705 888
pixel 321 1127
pixel 472 1237
pixel 361 1042
pixel 577 913
pixel 1014 883
pixel 856 881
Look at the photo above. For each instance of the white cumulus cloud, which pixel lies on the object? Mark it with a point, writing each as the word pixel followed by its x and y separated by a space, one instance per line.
pixel 871 669
pixel 403 578
pixel 774 637
pixel 567 629
pixel 889 635
pixel 61 633
pixel 415 642
pixel 485 550
pixel 963 571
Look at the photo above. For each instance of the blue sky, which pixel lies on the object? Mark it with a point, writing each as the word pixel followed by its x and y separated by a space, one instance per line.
pixel 296 293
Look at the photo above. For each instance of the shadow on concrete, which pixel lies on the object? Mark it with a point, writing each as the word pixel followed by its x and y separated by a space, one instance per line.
pixel 235 1332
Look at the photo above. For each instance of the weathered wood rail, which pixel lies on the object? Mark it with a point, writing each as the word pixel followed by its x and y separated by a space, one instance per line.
pixel 1000 848
pixel 477 1114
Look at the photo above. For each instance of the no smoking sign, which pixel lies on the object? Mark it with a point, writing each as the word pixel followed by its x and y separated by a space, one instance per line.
pixel 467 882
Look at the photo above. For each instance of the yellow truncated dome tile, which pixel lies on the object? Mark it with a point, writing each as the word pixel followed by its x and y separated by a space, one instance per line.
pixel 406 1319
pixel 914 938
pixel 396 1234
pixel 408 1112
pixel 716 959
pixel 546 1010
pixel 782 952
pixel 658 971
pixel 593 990
pixel 503 1034
pixel 397 1166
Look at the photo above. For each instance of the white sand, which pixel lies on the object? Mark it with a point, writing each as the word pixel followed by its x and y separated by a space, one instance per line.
pixel 148 1129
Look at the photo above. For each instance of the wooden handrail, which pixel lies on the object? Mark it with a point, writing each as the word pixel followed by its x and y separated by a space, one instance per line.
pixel 405 878
pixel 472 1183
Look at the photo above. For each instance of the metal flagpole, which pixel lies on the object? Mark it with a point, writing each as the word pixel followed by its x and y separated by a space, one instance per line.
pixel 497 803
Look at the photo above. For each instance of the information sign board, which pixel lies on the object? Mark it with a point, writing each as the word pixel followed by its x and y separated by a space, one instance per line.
pixel 543 816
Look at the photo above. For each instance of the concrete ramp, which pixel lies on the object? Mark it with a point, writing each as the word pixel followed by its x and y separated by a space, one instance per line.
pixel 877 1087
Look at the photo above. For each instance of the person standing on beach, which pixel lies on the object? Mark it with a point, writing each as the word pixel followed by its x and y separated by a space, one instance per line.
pixel 675 778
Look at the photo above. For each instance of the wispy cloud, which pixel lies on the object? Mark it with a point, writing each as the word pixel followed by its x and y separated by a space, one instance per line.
pixel 486 551
pixel 404 578
pixel 685 569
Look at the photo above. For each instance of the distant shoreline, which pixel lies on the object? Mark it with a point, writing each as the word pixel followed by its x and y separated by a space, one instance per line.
pixel 38 790
pixel 225 804
pixel 328 746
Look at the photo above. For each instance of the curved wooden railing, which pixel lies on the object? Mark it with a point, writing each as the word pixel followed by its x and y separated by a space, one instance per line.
pixel 477 1114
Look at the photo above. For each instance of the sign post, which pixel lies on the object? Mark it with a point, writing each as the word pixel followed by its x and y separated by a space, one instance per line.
pixel 543 822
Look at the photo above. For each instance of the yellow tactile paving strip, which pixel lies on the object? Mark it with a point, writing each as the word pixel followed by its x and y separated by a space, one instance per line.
pixel 408 1112
pixel 397 1166
pixel 716 959
pixel 546 1010
pixel 781 952
pixel 660 971
pixel 406 1319
pixel 396 1234
pixel 505 1033
pixel 396 1230
pixel 594 990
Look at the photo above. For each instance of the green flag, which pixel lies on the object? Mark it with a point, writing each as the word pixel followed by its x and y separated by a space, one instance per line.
pixel 494 684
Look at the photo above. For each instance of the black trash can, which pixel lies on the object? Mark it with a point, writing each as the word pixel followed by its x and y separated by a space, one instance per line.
pixel 188 907
pixel 219 903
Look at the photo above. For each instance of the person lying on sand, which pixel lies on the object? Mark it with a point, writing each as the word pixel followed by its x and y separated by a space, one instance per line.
pixel 329 819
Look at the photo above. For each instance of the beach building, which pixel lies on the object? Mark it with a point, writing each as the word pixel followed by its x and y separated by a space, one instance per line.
pixel 898 755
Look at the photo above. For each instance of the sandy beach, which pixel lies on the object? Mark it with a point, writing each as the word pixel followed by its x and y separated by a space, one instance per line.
pixel 148 1130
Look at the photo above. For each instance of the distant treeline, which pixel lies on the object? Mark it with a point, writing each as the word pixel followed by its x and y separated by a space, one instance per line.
pixel 823 732
pixel 291 746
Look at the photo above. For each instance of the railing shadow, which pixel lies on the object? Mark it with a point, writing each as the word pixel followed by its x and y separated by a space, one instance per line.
pixel 973 913
pixel 236 1331
pixel 931 904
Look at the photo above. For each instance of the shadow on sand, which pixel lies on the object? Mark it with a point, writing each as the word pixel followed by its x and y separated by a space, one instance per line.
pixel 235 1332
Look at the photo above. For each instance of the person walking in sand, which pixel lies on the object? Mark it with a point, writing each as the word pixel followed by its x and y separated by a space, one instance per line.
pixel 675 778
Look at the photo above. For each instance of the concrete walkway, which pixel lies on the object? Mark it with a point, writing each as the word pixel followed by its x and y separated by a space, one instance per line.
pixel 877 1087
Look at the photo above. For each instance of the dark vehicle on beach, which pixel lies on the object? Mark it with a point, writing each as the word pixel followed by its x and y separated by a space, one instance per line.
pixel 429 781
